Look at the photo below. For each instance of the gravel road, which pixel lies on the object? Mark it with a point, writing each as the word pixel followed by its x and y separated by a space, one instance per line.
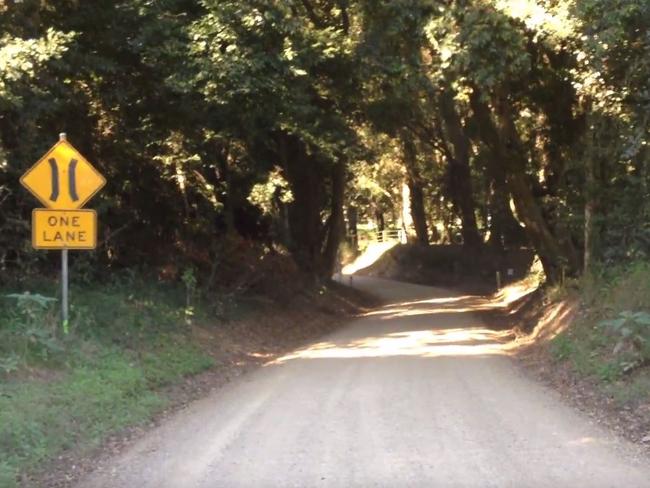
pixel 416 393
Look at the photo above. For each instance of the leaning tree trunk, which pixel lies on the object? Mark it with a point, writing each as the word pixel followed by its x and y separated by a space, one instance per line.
pixel 505 230
pixel 416 191
pixel 505 146
pixel 460 177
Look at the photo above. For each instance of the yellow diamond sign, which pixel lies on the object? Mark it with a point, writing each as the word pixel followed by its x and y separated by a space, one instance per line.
pixel 63 179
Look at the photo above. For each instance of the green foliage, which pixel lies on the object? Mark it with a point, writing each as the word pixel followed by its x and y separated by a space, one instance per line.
pixel 612 290
pixel 201 114
pixel 10 362
pixel 112 392
pixel 29 330
pixel 268 196
pixel 124 345
pixel 23 60
pixel 168 362
pixel 481 42
pixel 8 474
pixel 586 350
pixel 610 341
pixel 562 348
pixel 632 331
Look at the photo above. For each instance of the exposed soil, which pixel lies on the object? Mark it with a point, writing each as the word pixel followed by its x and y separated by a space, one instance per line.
pixel 237 346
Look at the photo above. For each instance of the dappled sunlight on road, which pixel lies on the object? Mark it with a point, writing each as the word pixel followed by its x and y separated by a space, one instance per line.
pixel 503 299
pixel 471 341
pixel 430 337
pixel 584 440
pixel 459 304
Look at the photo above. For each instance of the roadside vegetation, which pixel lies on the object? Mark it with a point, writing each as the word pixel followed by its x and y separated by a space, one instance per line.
pixel 61 391
pixel 133 349
pixel 609 343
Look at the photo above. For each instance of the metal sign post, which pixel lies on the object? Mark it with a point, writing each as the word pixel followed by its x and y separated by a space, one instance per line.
pixel 64 289
pixel 64 274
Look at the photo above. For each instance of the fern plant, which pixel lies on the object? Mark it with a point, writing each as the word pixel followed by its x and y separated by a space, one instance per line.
pixel 632 333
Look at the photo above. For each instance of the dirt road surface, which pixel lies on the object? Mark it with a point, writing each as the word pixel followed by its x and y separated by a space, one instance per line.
pixel 417 393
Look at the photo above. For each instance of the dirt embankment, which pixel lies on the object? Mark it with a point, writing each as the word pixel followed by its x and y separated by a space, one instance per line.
pixel 453 267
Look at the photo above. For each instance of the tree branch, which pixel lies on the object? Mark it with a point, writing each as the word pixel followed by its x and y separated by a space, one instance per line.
pixel 311 13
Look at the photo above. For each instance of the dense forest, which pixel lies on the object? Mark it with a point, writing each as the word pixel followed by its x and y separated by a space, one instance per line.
pixel 284 124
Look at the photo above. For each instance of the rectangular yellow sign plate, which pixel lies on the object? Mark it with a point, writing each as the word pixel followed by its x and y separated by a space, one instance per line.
pixel 63 179
pixel 64 229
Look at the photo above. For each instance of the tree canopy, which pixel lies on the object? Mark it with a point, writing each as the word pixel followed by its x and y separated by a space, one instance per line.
pixel 288 122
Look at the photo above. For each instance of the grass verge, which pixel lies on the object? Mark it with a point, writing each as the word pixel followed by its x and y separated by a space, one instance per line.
pixel 63 391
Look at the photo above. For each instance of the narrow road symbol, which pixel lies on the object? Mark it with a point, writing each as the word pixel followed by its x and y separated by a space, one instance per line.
pixel 72 179
pixel 54 168
pixel 63 179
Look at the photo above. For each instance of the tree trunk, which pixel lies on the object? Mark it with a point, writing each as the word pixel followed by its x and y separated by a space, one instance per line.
pixel 336 222
pixel 285 222
pixel 353 232
pixel 228 206
pixel 414 181
pixel 505 146
pixel 505 230
pixel 305 174
pixel 591 204
pixel 381 224
pixel 418 213
pixel 460 176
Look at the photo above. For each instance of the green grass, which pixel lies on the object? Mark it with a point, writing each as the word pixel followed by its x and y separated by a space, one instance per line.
pixel 61 391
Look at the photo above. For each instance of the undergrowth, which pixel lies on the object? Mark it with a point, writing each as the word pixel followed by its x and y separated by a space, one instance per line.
pixel 610 341
pixel 68 389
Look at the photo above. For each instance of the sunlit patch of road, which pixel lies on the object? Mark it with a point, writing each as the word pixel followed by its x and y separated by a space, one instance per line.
pixel 370 256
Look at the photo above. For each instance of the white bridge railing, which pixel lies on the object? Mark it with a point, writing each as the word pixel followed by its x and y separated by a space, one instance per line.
pixel 388 235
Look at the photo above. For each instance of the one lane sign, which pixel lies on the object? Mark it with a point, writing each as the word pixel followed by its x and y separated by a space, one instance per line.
pixel 64 229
